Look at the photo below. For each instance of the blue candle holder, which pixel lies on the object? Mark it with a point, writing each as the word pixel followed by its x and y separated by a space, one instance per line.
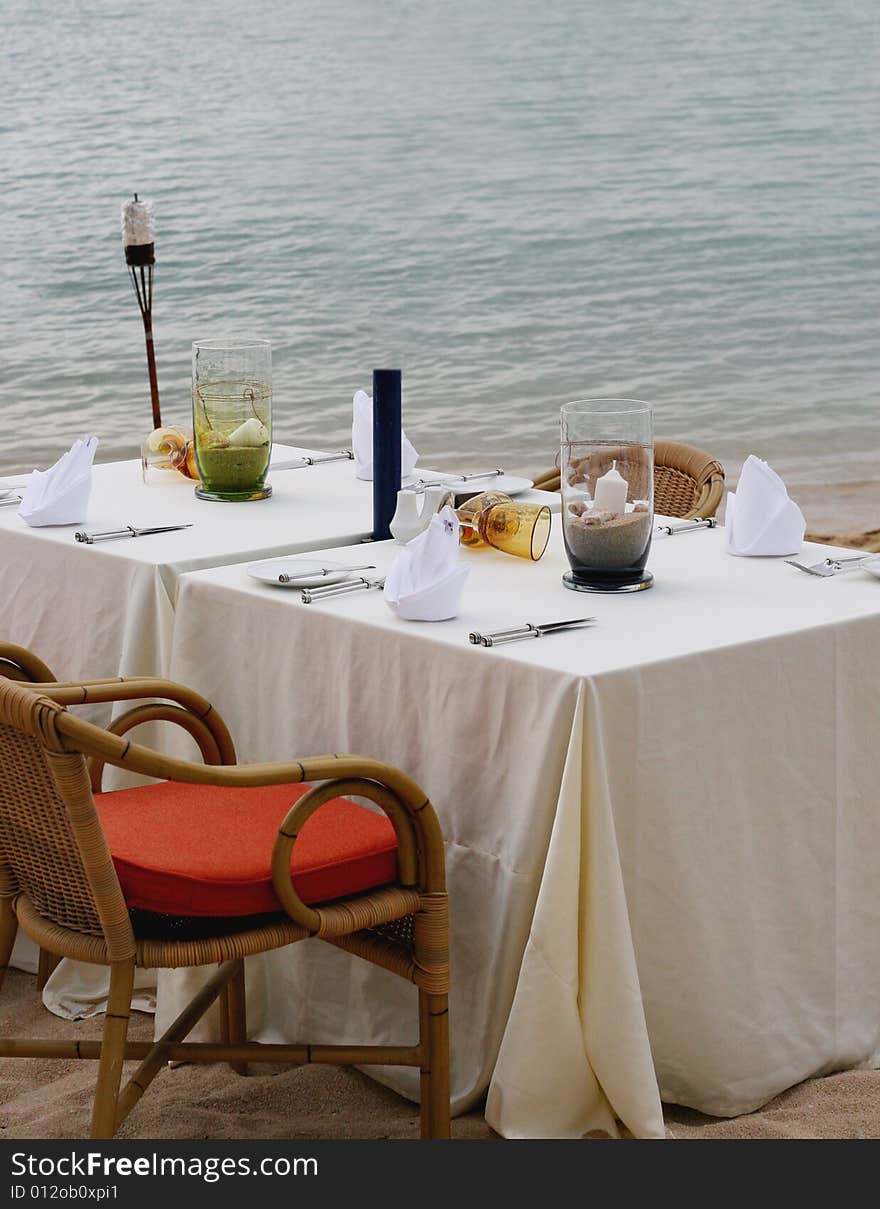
pixel 386 449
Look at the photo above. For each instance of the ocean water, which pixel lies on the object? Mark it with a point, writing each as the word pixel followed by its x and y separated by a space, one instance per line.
pixel 518 203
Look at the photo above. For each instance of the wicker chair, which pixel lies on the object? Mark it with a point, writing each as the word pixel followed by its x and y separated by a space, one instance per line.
pixel 687 481
pixel 18 663
pixel 60 881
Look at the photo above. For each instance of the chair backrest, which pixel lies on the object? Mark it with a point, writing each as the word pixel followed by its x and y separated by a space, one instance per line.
pixel 688 482
pixel 52 845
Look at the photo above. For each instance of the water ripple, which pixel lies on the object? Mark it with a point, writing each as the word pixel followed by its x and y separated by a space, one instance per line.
pixel 519 204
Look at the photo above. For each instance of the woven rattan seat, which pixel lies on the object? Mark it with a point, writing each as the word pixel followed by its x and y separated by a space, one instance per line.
pixel 688 482
pixel 58 883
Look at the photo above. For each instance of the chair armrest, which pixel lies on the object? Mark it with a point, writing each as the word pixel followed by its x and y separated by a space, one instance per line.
pixel 711 496
pixel 18 663
pixel 342 919
pixel 125 688
pixel 189 710
pixel 549 480
pixel 210 734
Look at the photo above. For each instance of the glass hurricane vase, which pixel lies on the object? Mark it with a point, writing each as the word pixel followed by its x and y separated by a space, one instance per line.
pixel 607 480
pixel 232 418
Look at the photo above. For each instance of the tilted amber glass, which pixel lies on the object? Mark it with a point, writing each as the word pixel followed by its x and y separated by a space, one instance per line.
pixel 519 529
pixel 468 512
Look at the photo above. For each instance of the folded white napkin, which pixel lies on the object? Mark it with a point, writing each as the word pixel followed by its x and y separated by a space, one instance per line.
pixel 761 518
pixel 362 440
pixel 60 495
pixel 426 580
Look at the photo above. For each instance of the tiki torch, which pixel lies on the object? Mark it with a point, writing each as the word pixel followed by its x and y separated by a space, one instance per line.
pixel 137 238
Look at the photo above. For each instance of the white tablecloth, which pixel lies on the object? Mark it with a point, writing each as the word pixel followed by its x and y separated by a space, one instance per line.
pixel 108 609
pixel 662 834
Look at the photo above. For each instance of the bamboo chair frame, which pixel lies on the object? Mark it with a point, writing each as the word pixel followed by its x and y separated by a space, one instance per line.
pixel 688 482
pixel 187 710
pixel 53 838
pixel 18 663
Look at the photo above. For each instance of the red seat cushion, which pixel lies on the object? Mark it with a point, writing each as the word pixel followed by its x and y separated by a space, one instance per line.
pixel 207 850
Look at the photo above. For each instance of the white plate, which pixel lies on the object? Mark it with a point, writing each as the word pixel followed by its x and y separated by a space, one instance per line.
pixel 510 484
pixel 303 572
pixel 871 565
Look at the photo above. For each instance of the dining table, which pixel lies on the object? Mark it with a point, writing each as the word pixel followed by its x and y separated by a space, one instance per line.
pixel 107 609
pixel 661 829
pixel 96 611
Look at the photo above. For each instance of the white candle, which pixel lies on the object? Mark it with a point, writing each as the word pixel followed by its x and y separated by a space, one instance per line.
pixel 611 489
pixel 137 223
pixel 252 433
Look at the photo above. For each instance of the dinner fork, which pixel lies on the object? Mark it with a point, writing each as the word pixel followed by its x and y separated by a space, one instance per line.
pixel 829 566
pixel 331 591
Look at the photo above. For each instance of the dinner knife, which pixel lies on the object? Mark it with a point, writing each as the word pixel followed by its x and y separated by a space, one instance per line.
pixel 708 522
pixel 453 480
pixel 127 531
pixel 284 578
pixel 477 639
pixel 534 631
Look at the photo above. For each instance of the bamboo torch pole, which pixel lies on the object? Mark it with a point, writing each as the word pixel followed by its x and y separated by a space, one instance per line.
pixel 140 256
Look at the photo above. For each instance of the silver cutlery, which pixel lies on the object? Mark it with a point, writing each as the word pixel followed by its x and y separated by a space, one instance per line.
pixel 497 637
pixel 344 455
pixel 452 480
pixel 310 595
pixel 126 531
pixel 8 502
pixel 708 522
pixel 829 566
pixel 284 578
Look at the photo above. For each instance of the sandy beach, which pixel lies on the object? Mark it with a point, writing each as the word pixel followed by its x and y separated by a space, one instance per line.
pixel 845 514
pixel 52 1099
